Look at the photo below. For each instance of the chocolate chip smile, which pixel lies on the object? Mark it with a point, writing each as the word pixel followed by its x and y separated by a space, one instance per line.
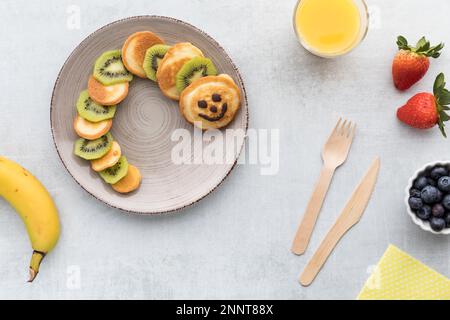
pixel 216 118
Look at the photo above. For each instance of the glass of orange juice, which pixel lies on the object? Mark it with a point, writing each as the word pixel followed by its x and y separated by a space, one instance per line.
pixel 330 28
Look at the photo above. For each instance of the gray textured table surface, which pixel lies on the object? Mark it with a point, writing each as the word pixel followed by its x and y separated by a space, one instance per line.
pixel 235 243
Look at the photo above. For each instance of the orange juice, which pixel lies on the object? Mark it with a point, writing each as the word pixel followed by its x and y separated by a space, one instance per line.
pixel 328 27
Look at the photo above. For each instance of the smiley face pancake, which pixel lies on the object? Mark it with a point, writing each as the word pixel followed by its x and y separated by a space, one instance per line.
pixel 172 62
pixel 211 102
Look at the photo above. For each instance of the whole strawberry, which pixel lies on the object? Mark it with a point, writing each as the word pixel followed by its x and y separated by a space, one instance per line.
pixel 412 63
pixel 425 110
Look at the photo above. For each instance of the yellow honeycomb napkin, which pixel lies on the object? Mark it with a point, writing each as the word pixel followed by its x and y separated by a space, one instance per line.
pixel 400 276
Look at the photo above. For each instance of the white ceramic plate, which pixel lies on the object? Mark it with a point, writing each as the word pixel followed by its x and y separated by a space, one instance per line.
pixel 144 122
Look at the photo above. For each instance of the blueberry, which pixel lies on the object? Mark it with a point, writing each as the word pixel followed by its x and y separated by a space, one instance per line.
pixel 415 203
pixel 438 172
pixel 438 210
pixel 431 195
pixel 444 183
pixel 431 182
pixel 414 193
pixel 446 202
pixel 420 183
pixel 437 224
pixel 424 213
pixel 447 220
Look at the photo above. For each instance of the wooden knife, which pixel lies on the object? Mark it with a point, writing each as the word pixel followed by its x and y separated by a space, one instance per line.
pixel 350 215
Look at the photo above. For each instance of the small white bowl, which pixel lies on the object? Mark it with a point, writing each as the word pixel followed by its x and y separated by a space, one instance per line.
pixel 425 225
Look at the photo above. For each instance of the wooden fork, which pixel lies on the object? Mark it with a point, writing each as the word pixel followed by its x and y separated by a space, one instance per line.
pixel 334 154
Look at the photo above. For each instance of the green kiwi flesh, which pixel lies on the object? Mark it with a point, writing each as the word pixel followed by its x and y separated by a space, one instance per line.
pixel 115 173
pixel 192 70
pixel 109 69
pixel 153 58
pixel 92 111
pixel 93 149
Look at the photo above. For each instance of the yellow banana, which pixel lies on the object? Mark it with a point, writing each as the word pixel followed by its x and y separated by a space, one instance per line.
pixel 34 205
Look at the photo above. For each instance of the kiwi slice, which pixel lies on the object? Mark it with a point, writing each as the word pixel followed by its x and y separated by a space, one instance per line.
pixel 92 111
pixel 194 69
pixel 115 173
pixel 109 69
pixel 93 149
pixel 153 58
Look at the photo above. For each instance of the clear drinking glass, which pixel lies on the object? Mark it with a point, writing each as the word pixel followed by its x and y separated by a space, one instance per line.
pixel 363 28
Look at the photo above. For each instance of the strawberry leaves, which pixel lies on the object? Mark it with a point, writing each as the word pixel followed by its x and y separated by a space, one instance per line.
pixel 422 47
pixel 402 43
pixel 442 96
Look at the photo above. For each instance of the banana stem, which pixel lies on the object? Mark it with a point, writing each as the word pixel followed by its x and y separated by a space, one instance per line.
pixel 36 260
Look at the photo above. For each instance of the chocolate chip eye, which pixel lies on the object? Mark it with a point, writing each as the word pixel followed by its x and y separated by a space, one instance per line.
pixel 202 104
pixel 216 97
pixel 213 109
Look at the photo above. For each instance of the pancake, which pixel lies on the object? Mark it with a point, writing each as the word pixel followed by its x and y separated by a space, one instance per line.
pixel 173 61
pixel 130 182
pixel 109 159
pixel 134 49
pixel 210 102
pixel 107 95
pixel 91 130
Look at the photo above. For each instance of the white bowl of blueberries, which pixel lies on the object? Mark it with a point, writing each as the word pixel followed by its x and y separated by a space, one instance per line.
pixel 428 197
